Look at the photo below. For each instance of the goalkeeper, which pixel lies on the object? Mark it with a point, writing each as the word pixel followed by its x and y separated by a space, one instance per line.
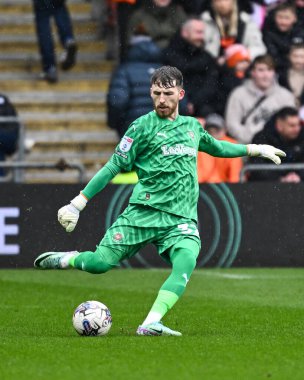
pixel 162 147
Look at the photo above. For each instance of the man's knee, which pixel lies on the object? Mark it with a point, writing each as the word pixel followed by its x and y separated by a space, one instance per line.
pixel 102 260
pixel 186 252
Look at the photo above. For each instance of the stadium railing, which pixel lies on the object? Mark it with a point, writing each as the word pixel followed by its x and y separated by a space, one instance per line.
pixel 61 165
pixel 272 167
pixel 18 165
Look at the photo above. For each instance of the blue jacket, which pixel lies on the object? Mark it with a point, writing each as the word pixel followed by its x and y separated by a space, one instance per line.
pixel 129 93
pixel 9 130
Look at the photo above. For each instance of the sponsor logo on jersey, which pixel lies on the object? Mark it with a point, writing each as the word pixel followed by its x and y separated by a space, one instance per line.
pixel 178 150
pixel 121 154
pixel 125 144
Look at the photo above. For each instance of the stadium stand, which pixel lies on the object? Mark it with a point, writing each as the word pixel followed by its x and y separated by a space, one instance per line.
pixel 62 121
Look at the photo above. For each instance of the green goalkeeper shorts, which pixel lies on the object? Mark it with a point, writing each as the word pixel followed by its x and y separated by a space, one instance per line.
pixel 139 225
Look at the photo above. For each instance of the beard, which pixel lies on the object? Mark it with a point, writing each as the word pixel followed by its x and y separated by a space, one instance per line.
pixel 164 112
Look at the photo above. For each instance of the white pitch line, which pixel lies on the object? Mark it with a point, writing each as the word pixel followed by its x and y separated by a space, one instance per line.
pixel 234 276
pixel 227 275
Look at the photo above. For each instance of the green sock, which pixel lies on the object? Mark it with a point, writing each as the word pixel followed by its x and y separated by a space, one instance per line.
pixel 163 303
pixel 183 258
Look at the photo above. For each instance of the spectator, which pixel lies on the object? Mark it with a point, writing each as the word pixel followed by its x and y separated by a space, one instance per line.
pixel 300 11
pixel 252 104
pixel 9 130
pixel 186 52
pixel 287 134
pixel 232 73
pixel 293 77
pixel 226 26
pixel 159 18
pixel 124 10
pixel 129 94
pixel 280 32
pixel 193 7
pixel 215 169
pixel 44 11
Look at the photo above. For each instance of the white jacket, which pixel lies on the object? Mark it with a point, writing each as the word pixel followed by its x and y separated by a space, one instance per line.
pixel 243 98
pixel 252 37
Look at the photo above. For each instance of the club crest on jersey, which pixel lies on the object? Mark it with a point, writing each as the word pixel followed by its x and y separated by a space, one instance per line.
pixel 191 134
pixel 117 237
pixel 125 144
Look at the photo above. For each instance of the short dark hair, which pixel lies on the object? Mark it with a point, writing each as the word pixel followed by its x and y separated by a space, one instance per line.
pixel 285 6
pixel 296 46
pixel 265 59
pixel 285 112
pixel 166 75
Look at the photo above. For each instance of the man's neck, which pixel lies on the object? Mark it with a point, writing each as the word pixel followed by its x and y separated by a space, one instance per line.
pixel 173 117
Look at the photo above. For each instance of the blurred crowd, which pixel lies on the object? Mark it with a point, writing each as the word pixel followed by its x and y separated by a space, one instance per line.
pixel 242 62
pixel 243 67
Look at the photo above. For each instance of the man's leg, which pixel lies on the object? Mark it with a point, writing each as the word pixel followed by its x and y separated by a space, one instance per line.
pixel 45 41
pixel 100 261
pixel 183 257
pixel 66 35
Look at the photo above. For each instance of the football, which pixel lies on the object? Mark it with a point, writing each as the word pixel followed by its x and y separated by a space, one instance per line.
pixel 92 318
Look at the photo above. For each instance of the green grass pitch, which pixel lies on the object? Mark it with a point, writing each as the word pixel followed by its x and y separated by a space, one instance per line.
pixel 238 324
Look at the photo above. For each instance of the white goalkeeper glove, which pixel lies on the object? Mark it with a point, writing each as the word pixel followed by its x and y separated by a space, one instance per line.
pixel 68 215
pixel 266 151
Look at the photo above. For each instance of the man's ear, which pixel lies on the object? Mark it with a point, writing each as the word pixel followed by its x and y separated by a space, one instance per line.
pixel 151 91
pixel 181 94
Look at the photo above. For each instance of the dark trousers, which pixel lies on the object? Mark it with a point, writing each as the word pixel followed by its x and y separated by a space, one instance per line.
pixel 44 11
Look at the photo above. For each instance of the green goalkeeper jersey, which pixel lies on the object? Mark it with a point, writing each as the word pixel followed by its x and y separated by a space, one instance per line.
pixel 164 154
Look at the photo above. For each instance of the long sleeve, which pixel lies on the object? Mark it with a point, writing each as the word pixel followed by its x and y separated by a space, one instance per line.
pixel 100 180
pixel 218 148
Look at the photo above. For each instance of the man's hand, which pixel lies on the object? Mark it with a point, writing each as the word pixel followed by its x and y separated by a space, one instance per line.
pixel 266 151
pixel 291 177
pixel 68 215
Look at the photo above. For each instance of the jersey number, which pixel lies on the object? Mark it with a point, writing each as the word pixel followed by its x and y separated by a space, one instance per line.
pixel 187 229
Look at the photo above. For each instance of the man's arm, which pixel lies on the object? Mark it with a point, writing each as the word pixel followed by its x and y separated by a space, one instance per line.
pixel 219 148
pixel 123 158
pixel 68 215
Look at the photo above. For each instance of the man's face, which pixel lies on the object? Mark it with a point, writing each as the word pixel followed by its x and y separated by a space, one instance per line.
pixel 223 7
pixel 162 3
pixel 263 76
pixel 285 20
pixel 297 59
pixel 166 100
pixel 289 128
pixel 299 3
pixel 194 33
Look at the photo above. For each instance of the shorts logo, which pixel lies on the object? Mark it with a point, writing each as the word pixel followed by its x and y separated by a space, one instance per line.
pixel 118 236
pixel 125 144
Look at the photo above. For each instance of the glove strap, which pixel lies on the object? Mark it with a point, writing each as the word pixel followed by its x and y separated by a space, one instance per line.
pixel 79 202
pixel 253 150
